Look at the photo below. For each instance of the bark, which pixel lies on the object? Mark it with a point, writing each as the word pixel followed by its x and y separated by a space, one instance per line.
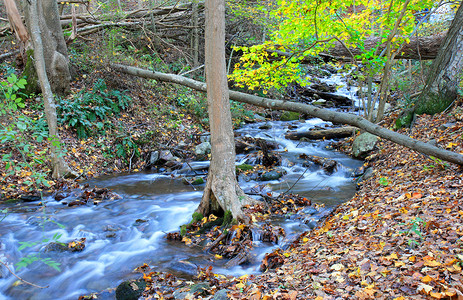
pixel 54 46
pixel 445 74
pixel 17 25
pixel 324 114
pixel 60 168
pixel 333 133
pixel 222 192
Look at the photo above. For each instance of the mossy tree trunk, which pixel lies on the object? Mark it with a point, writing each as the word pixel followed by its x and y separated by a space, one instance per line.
pixel 54 46
pixel 446 71
pixel 222 192
pixel 60 168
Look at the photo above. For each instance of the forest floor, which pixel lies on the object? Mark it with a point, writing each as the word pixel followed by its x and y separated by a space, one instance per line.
pixel 399 237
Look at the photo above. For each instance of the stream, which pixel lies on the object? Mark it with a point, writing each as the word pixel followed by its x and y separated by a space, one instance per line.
pixel 123 234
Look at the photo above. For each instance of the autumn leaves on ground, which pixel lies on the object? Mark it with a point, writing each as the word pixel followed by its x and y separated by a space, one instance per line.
pixel 398 238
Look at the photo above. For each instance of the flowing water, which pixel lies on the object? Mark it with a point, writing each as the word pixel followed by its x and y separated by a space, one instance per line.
pixel 125 233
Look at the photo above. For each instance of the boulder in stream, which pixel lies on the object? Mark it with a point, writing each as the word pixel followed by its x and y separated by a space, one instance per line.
pixel 130 290
pixel 364 144
pixel 272 175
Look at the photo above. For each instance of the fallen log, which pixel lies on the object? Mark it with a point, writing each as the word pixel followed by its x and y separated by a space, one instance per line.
pixel 339 99
pixel 332 133
pixel 324 114
pixel 419 48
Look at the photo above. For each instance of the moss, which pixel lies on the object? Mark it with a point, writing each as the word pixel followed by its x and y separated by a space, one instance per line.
pixel 209 225
pixel 227 218
pixel 183 230
pixel 405 119
pixel 32 86
pixel 433 104
pixel 245 167
pixel 289 116
pixel 197 216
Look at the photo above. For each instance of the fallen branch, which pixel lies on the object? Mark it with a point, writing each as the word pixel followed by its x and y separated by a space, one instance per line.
pixel 324 114
pixel 25 281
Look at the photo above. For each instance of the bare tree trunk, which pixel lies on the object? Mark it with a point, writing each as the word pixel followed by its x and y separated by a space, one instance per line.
pixel 324 114
pixel 17 25
pixel 446 73
pixel 60 168
pixel 222 192
pixel 54 46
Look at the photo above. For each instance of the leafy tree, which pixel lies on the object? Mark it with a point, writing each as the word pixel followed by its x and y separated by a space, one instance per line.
pixel 310 27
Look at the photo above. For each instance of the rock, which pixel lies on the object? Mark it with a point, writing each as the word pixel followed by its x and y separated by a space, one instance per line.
pixel 220 295
pixel 265 126
pixel 30 198
pixel 364 144
pixel 272 175
pixel 200 288
pixel 205 137
pixel 259 118
pixel 183 268
pixel 289 116
pixel 56 247
pixel 166 155
pixel 154 158
pixel 203 148
pixel 130 290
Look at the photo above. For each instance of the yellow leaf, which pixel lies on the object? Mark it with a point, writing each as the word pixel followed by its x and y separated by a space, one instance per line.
pixel 218 256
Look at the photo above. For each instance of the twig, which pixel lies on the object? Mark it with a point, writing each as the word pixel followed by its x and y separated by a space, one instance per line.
pixel 25 281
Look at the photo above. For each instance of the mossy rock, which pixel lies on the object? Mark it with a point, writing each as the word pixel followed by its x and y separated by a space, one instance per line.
pixel 130 290
pixel 405 119
pixel 289 116
pixel 245 167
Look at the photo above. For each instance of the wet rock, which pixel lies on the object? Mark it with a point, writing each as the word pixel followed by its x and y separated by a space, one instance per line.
pixel 364 144
pixel 265 126
pixel 56 247
pixel 183 268
pixel 193 181
pixel 111 227
pixel 30 198
pixel 272 175
pixel 73 246
pixel 203 148
pixel 220 295
pixel 289 116
pixel 330 68
pixel 130 290
pixel 323 87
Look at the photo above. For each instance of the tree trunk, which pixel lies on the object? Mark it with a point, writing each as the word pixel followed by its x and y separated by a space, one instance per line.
pixel 222 192
pixel 17 25
pixel 54 47
pixel 324 114
pixel 60 168
pixel 446 73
